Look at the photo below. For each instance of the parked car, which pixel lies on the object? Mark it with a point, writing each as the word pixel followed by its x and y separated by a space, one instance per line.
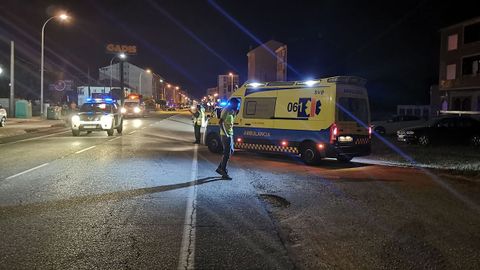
pixel 391 126
pixel 3 116
pixel 445 130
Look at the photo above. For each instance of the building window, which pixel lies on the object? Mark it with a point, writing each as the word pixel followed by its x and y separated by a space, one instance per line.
pixel 471 33
pixel 453 42
pixel 451 71
pixel 471 65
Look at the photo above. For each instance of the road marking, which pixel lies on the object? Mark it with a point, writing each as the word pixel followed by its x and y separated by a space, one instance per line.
pixel 86 149
pixel 187 251
pixel 27 171
pixel 132 132
pixel 114 139
pixel 35 138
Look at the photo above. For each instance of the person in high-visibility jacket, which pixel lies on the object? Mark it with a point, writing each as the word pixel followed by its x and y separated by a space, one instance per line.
pixel 198 119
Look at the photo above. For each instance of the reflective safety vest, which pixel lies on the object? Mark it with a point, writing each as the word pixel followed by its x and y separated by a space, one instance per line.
pixel 201 117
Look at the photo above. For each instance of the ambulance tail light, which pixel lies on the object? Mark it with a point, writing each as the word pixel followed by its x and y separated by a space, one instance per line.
pixel 321 146
pixel 333 133
pixel 239 140
pixel 284 143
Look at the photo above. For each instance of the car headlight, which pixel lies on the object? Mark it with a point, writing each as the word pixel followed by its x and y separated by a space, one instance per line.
pixel 410 132
pixel 75 119
pixel 123 110
pixel 136 110
pixel 106 119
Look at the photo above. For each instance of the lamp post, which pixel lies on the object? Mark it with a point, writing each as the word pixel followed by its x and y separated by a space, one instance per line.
pixel 62 17
pixel 122 56
pixel 140 79
pixel 231 81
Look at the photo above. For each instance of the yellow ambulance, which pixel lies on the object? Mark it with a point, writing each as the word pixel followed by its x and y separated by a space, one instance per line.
pixel 324 118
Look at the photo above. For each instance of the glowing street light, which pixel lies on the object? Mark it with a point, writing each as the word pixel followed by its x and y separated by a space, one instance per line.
pixel 62 17
pixel 231 80
pixel 122 56
pixel 149 71
pixel 1 70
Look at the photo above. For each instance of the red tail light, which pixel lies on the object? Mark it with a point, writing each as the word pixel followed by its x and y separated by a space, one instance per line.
pixel 333 133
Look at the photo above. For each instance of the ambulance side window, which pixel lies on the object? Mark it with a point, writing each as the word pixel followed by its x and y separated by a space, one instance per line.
pixel 259 108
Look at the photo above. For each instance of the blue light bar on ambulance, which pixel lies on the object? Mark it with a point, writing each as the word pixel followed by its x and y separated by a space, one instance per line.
pixel 223 104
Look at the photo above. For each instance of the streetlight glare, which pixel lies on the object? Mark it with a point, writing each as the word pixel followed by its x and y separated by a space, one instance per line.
pixel 176 87
pixel 230 74
pixel 161 80
pixel 1 70
pixel 122 56
pixel 148 70
pixel 63 17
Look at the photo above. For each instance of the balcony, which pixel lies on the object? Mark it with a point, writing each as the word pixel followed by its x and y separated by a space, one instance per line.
pixel 463 83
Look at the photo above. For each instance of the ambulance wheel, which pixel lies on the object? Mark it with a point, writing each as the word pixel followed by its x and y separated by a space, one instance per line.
pixel 309 154
pixel 214 143
pixel 344 158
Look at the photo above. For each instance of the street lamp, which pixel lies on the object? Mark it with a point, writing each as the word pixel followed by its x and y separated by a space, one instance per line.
pixel 231 81
pixel 1 70
pixel 140 79
pixel 122 56
pixel 62 17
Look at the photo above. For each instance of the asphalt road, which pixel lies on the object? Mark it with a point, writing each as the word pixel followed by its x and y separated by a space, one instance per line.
pixel 150 199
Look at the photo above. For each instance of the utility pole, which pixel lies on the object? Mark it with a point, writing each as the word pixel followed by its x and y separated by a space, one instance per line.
pixel 12 79
pixel 122 86
pixel 88 80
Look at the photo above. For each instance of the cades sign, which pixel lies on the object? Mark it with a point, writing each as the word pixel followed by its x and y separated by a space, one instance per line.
pixel 118 48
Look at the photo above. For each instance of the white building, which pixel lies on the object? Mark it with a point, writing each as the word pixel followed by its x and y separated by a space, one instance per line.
pixel 227 85
pixel 135 78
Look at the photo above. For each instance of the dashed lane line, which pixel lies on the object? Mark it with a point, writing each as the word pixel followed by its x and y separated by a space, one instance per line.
pixel 27 171
pixel 86 149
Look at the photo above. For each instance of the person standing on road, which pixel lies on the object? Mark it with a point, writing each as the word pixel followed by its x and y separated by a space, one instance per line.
pixel 198 119
pixel 227 118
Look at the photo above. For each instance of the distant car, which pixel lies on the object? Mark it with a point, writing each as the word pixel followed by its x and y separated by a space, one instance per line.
pixel 446 130
pixel 3 116
pixel 133 108
pixel 98 115
pixel 391 126
pixel 171 109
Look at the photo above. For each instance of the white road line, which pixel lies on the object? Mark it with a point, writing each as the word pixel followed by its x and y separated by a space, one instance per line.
pixel 132 132
pixel 27 171
pixel 86 149
pixel 114 139
pixel 35 138
pixel 187 251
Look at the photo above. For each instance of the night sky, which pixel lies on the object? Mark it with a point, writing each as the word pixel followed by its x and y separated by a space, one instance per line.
pixel 393 44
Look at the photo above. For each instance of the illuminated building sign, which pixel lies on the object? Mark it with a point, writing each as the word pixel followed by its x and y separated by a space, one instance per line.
pixel 118 48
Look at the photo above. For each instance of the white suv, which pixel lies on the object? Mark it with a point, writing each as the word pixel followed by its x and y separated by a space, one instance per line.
pixel 3 116
pixel 98 115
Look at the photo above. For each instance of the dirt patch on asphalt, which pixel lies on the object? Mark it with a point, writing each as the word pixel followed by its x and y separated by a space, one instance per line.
pixel 275 201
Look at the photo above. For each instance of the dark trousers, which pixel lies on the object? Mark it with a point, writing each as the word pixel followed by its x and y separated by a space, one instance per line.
pixel 197 132
pixel 227 151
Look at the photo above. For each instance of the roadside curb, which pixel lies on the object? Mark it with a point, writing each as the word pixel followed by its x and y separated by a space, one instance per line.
pixel 471 175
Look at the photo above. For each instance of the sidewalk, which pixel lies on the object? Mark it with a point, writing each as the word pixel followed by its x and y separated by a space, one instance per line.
pixel 19 126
